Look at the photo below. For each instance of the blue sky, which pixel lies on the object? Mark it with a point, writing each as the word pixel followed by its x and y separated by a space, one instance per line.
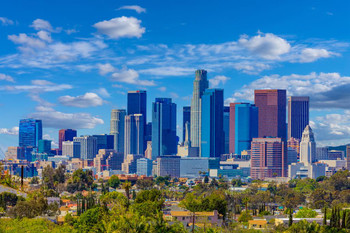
pixel 70 62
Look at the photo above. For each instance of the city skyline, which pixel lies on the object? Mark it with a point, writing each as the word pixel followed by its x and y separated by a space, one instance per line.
pixel 61 69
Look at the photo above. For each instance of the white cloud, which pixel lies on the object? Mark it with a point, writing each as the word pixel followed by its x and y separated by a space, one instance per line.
pixel 37 86
pixel 25 40
pixel 82 101
pixel 45 36
pixel 12 131
pixel 130 76
pixel 217 80
pixel 162 89
pixel 326 90
pixel 120 27
pixel 5 21
pixel 267 46
pixel 168 71
pixel 59 120
pixel 136 8
pixel 5 77
pixel 70 31
pixel 311 54
pixel 102 92
pixel 40 24
pixel 174 95
pixel 105 68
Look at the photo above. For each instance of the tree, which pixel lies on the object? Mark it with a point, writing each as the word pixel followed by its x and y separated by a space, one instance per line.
pixel 244 217
pixel 114 181
pixel 306 213
pixel 34 180
pixel 193 204
pixel 91 221
pixel 144 184
pixel 206 179
pixel 127 186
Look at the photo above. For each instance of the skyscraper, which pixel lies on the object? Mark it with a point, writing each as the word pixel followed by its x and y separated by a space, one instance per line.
pixel 117 128
pixel 65 135
pixel 226 126
pixel 30 132
pixel 44 146
pixel 163 128
pixel 88 147
pixel 272 112
pixel 199 86
pixel 298 115
pixel 186 117
pixel 104 141
pixel 268 158
pixel 71 149
pixel 134 128
pixel 137 104
pixel 243 126
pixel 307 147
pixel 212 139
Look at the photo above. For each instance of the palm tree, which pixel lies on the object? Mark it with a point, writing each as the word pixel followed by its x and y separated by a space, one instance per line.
pixel 127 186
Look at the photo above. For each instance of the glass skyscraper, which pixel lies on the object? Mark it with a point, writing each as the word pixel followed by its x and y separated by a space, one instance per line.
pixel 226 129
pixel 212 138
pixel 117 128
pixel 298 115
pixel 133 141
pixel 164 140
pixel 199 86
pixel 30 132
pixel 65 135
pixel 243 126
pixel 137 104
pixel 186 117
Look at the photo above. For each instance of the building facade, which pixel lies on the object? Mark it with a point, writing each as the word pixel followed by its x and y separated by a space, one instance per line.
pixel 88 147
pixel 199 85
pixel 144 167
pixel 308 147
pixel 212 138
pixel 226 126
pixel 104 141
pixel 163 128
pixel 134 129
pixel 30 132
pixel 129 166
pixel 44 146
pixel 298 115
pixel 65 135
pixel 268 158
pixel 186 117
pixel 117 128
pixel 243 126
pixel 108 159
pixel 71 149
pixel 168 166
pixel 272 113
pixel 15 152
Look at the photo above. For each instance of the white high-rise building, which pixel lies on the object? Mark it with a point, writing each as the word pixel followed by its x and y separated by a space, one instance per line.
pixel 71 149
pixel 117 128
pixel 307 147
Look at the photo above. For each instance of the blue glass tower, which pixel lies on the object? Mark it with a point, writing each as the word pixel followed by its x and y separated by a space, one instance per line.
pixel 30 132
pixel 246 126
pixel 164 141
pixel 212 138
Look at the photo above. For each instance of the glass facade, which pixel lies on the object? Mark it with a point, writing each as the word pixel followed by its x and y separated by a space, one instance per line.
pixel 186 117
pixel 65 135
pixel 298 115
pixel 30 132
pixel 164 141
pixel 44 146
pixel 117 128
pixel 212 139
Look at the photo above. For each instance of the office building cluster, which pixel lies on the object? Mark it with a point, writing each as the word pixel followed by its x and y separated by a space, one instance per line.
pixel 268 139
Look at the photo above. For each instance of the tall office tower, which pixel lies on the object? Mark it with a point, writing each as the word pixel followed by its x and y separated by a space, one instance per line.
pixel 104 141
pixel 186 117
pixel 212 139
pixel 272 112
pixel 149 132
pixel 298 115
pixel 268 158
pixel 30 132
pixel 65 135
pixel 226 125
pixel 44 146
pixel 88 147
pixel 117 128
pixel 163 128
pixel 199 86
pixel 307 147
pixel 137 104
pixel 134 128
pixel 348 157
pixel 244 124
pixel 71 149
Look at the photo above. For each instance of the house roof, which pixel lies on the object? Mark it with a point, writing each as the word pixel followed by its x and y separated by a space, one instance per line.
pixel 189 214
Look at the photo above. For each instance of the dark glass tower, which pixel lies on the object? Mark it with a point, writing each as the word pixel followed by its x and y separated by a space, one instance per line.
pixel 65 135
pixel 272 113
pixel 186 117
pixel 212 138
pixel 298 115
pixel 137 104
pixel 30 132
pixel 163 128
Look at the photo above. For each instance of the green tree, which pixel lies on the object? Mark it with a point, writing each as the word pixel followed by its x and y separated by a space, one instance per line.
pixel 114 181
pixel 244 217
pixel 306 213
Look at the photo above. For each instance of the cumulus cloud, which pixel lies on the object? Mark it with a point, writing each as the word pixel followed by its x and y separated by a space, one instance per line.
pixel 130 76
pixel 12 131
pixel 105 68
pixel 40 24
pixel 162 89
pixel 45 36
pixel 120 27
pixel 82 101
pixel 37 86
pixel 102 92
pixel 326 90
pixel 217 80
pixel 5 21
pixel 136 8
pixel 168 71
pixel 5 77
pixel 59 120
pixel 311 54
pixel 267 46
pixel 25 40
